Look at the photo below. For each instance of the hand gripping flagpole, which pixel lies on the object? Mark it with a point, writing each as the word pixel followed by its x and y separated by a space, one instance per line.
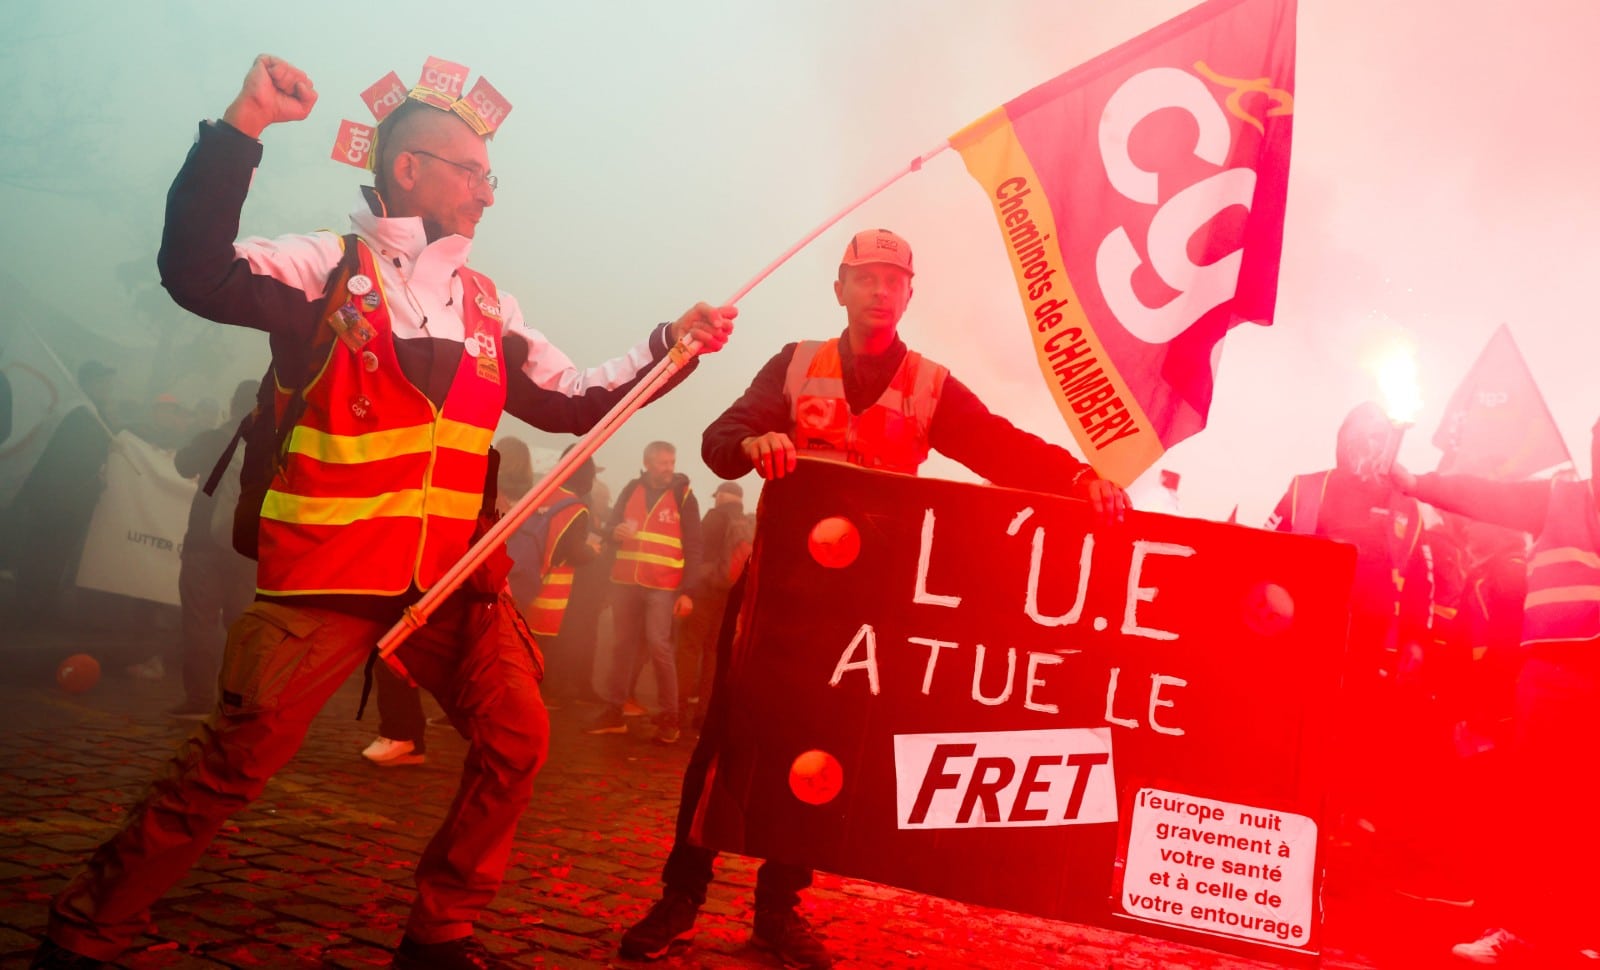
pixel 685 350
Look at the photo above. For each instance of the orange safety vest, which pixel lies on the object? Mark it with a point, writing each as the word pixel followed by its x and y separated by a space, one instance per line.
pixel 1563 601
pixel 550 605
pixel 378 489
pixel 653 557
pixel 892 433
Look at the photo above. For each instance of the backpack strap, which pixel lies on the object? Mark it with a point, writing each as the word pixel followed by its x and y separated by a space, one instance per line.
pixel 334 297
pixel 220 468
pixel 349 265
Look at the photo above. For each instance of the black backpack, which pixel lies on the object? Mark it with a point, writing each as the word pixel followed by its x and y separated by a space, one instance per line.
pixel 264 441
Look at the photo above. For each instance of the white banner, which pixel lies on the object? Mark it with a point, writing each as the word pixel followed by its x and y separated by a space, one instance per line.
pixel 137 529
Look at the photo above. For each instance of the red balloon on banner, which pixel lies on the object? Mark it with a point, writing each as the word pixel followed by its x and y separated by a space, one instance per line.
pixel 835 542
pixel 1268 609
pixel 815 777
pixel 78 673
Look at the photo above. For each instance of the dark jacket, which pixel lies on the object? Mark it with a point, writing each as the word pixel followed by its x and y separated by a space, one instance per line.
pixel 962 427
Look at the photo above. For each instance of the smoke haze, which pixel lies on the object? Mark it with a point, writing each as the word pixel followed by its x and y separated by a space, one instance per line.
pixel 663 153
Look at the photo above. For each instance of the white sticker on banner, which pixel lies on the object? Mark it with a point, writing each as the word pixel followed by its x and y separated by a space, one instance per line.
pixel 1220 867
pixel 1004 779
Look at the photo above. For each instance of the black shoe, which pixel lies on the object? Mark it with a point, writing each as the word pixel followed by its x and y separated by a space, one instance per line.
pixel 667 731
pixel 670 920
pixel 608 721
pixel 785 934
pixel 53 956
pixel 466 953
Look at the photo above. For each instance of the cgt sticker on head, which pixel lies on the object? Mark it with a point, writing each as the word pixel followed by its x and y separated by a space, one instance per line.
pixel 384 96
pixel 353 146
pixel 441 84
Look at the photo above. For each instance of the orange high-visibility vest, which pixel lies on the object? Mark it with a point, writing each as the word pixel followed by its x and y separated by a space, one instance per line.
pixel 892 433
pixel 1564 571
pixel 653 557
pixel 379 490
pixel 555 591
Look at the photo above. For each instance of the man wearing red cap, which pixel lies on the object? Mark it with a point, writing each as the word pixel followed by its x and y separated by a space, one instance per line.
pixel 862 398
pixel 376 495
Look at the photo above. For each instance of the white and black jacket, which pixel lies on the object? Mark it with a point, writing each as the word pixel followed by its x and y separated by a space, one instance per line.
pixel 276 285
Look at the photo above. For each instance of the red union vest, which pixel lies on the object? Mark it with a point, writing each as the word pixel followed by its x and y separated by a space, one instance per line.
pixel 378 489
pixel 653 557
pixel 550 605
pixel 1563 601
pixel 892 433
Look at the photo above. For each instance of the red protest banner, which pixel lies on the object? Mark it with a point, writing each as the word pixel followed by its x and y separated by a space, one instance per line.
pixel 1497 424
pixel 1141 198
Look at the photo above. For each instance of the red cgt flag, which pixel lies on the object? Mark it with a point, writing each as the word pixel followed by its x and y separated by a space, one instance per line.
pixel 1497 424
pixel 1141 199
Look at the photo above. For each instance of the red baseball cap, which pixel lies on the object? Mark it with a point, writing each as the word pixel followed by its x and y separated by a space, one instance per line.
pixel 877 246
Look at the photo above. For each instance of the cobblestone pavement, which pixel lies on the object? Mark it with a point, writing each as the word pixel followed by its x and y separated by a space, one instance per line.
pixel 317 872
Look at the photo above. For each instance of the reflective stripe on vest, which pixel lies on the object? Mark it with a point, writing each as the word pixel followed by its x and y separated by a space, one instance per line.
pixel 378 489
pixel 1564 571
pixel 544 614
pixel 653 556
pixel 1305 502
pixel 891 433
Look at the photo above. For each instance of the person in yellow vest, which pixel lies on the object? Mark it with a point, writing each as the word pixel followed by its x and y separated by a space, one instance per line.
pixel 656 528
pixel 1538 850
pixel 377 494
pixel 862 397
pixel 541 579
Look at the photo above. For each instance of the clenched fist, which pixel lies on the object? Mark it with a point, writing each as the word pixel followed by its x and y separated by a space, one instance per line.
pixel 274 90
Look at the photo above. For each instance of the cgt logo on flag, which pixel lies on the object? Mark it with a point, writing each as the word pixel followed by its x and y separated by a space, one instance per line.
pixel 1141 196
pixel 1004 779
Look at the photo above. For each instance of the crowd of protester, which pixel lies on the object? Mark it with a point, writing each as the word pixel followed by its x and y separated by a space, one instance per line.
pixel 1469 674
pixel 1431 690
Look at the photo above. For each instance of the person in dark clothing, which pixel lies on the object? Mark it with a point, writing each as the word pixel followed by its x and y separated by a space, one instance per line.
pixel 571 673
pixel 215 583
pixel 1353 502
pixel 725 543
pixel 1387 717
pixel 863 398
pixel 547 577
pixel 57 499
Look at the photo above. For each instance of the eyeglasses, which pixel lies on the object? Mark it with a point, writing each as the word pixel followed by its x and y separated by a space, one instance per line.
pixel 474 176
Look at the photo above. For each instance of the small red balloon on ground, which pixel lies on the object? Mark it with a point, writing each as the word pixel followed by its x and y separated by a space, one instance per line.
pixel 78 673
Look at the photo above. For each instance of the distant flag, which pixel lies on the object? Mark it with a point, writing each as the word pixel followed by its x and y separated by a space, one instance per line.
pixel 1497 424
pixel 1141 199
